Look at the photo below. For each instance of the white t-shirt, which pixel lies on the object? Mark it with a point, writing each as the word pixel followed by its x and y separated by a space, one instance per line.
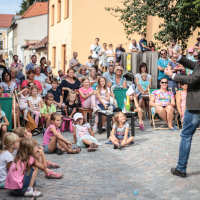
pixel 5 158
pixel 89 65
pixel 104 94
pixel 34 103
pixel 82 130
pixel 96 50
pixel 137 47
pixel 110 52
pixel 23 101
pixel 138 75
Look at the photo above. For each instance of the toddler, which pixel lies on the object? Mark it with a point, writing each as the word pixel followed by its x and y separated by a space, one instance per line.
pixel 23 102
pixel 83 134
pixel 119 135
pixel 70 105
pixel 143 84
pixel 11 143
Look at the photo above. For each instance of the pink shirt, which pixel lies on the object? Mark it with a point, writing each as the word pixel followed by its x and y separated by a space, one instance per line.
pixel 14 65
pixel 15 177
pixel 48 134
pixel 25 83
pixel 84 92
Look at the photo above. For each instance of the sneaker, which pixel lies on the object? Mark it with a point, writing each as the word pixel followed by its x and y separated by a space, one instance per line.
pixel 141 127
pixel 90 149
pixel 95 129
pixel 103 129
pixel 95 110
pixel 32 193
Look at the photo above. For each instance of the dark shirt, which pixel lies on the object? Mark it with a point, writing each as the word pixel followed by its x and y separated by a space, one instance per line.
pixel 2 69
pixel 56 94
pixel 144 42
pixel 74 86
pixel 119 53
pixel 197 44
pixel 74 105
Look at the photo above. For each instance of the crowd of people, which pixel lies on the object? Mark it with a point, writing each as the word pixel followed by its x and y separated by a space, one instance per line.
pixel 39 96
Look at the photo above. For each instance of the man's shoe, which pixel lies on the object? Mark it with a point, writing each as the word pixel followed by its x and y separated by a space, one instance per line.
pixel 175 172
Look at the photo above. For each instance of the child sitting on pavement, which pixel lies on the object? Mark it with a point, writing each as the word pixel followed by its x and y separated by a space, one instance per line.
pixel 83 134
pixel 57 93
pixel 23 133
pixel 119 135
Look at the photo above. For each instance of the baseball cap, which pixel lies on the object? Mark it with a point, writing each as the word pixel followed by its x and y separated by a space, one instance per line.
pixel 77 116
pixel 190 50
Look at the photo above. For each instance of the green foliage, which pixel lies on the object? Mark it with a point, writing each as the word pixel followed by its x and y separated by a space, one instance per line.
pixel 26 4
pixel 181 18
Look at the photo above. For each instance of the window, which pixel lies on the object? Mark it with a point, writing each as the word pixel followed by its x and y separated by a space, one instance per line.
pixel 52 15
pixel 54 57
pixel 1 45
pixel 66 9
pixel 58 11
pixel 1 33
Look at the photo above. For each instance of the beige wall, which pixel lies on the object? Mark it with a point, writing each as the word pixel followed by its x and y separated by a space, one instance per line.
pixel 60 34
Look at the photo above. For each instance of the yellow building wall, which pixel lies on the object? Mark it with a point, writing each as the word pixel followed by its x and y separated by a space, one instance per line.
pixel 59 34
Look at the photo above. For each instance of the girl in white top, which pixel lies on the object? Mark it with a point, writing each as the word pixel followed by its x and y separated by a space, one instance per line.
pixel 103 95
pixel 83 134
pixel 110 54
pixel 23 102
pixel 11 143
pixel 34 102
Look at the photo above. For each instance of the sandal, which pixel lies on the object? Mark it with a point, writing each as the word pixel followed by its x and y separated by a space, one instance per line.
pixel 94 145
pixel 56 175
pixel 78 150
pixel 90 149
pixel 52 166
pixel 36 132
pixel 120 146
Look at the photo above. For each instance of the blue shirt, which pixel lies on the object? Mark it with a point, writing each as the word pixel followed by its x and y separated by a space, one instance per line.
pixel 108 76
pixel 29 66
pixel 144 84
pixel 2 116
pixel 56 94
pixel 94 86
pixel 144 42
pixel 162 63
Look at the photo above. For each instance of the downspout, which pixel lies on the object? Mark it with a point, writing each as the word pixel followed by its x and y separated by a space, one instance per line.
pixel 48 32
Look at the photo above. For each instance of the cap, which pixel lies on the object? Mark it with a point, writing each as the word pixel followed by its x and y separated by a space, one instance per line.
pixel 195 53
pixel 36 66
pixel 77 116
pixel 130 91
pixel 190 50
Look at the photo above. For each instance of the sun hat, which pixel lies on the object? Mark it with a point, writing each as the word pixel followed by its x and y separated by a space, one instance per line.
pixel 195 53
pixel 190 50
pixel 130 91
pixel 36 66
pixel 77 116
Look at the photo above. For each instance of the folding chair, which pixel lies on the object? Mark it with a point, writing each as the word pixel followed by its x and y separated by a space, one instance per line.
pixel 155 118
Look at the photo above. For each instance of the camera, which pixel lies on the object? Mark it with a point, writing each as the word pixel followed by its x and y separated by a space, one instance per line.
pixel 96 52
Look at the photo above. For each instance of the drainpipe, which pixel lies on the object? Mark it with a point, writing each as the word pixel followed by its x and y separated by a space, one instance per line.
pixel 48 32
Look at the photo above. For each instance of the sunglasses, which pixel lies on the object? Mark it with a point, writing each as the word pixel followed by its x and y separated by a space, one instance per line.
pixel 163 54
pixel 27 86
pixel 164 82
pixel 195 56
pixel 172 40
pixel 182 83
pixel 119 70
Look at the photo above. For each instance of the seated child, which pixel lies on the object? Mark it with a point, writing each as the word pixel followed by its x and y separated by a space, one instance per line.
pixel 134 106
pixel 11 143
pixel 83 134
pixel 52 136
pixel 24 169
pixel 119 135
pixel 23 133
pixel 70 105
pixel 34 102
pixel 48 109
pixel 57 93
pixel 23 102
pixel 143 84
pixel 3 125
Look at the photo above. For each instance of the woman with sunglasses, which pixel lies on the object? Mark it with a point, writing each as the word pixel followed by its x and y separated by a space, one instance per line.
pixel 30 79
pixel 181 100
pixel 162 102
pixel 117 81
pixel 142 69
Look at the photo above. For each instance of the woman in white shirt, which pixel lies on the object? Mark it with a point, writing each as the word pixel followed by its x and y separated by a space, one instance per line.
pixel 103 57
pixel 110 54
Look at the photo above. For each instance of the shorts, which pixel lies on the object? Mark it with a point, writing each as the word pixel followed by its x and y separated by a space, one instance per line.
pixel 102 107
pixel 26 181
pixel 2 185
pixel 46 148
pixel 140 95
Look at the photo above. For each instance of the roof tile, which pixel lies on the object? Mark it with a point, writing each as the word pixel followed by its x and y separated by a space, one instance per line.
pixel 38 8
pixel 41 43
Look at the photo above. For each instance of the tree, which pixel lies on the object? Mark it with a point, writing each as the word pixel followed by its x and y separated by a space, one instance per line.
pixel 26 4
pixel 180 18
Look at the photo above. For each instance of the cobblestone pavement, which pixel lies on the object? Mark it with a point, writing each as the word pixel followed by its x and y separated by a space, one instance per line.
pixel 109 174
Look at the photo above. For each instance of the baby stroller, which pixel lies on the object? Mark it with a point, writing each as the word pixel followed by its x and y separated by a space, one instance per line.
pixel 129 78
